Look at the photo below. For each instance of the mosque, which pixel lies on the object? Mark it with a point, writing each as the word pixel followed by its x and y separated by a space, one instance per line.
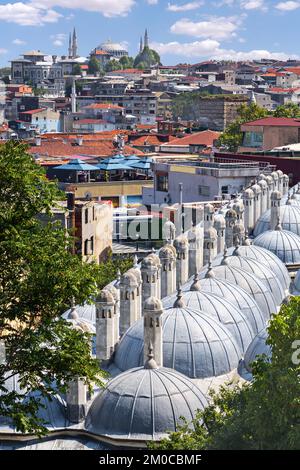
pixel 186 319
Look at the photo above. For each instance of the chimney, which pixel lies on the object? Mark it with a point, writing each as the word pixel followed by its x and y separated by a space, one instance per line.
pixel 38 141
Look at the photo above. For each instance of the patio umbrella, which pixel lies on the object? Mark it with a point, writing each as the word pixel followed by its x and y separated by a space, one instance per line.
pixel 113 166
pixel 77 165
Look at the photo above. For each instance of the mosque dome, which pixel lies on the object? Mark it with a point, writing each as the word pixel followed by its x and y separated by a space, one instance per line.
pixel 112 47
pixel 144 404
pixel 194 344
pixel 289 218
pixel 256 348
pixel 221 310
pixel 251 283
pixel 258 269
pixel 262 256
pixel 284 244
pixel 84 312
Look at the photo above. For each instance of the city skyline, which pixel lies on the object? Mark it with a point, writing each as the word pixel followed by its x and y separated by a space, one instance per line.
pixel 181 31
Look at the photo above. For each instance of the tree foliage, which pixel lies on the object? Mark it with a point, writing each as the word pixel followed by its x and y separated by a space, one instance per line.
pixel 289 110
pixel 38 279
pixel 94 66
pixel 264 414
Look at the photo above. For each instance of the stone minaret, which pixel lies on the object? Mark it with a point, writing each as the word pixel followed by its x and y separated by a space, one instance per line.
pixel 167 255
pixel 230 219
pixel 128 301
pixel 150 271
pixel 270 183
pixel 238 207
pixel 115 292
pixel 105 326
pixel 153 330
pixel 76 399
pixel 210 234
pixel 248 198
pixel 280 181
pixel 181 246
pixel 275 177
pixel 146 39
pixel 73 96
pixel 195 239
pixel 220 226
pixel 74 45
pixel 141 45
pixel 238 233
pixel 275 209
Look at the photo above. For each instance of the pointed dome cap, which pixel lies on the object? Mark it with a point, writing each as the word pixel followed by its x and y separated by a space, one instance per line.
pixel 181 243
pixel 274 175
pixel 219 222
pixel 231 214
pixel 257 347
pixel 167 252
pixel 153 304
pixel 144 404
pixel 194 344
pixel 256 188
pixel 238 206
pixel 248 193
pixel 209 209
pixel 105 297
pixel 263 184
pixel 129 279
pixel 276 196
pixel 284 244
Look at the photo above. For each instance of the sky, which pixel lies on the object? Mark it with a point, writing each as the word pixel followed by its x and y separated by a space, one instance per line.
pixel 182 31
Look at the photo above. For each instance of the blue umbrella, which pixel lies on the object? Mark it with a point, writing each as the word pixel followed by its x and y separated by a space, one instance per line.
pixel 132 158
pixel 114 159
pixel 77 165
pixel 113 166
pixel 144 164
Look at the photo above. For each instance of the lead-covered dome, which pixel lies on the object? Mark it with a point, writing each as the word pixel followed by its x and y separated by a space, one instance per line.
pixel 251 283
pixel 194 344
pixel 257 348
pixel 289 218
pixel 260 270
pixel 221 310
pixel 284 244
pixel 144 404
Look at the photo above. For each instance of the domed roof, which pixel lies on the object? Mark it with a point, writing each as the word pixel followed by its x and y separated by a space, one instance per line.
pixel 263 184
pixel 110 46
pixel 152 304
pixel 129 279
pixel 209 209
pixel 236 296
pixel 284 244
pixel 219 222
pixel 289 218
pixel 144 404
pixel 257 347
pixel 231 214
pixel 256 188
pixel 221 310
pixel 251 283
pixel 210 233
pixel 86 312
pixel 260 270
pixel 274 175
pixel 262 256
pixel 105 297
pixel 276 195
pixel 181 243
pixel 167 252
pixel 248 193
pixel 194 344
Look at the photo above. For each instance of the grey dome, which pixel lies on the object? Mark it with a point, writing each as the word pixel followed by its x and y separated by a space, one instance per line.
pixel 85 312
pixel 257 347
pixel 221 310
pixel 251 283
pixel 284 244
pixel 260 270
pixel 262 256
pixel 194 344
pixel 289 219
pixel 144 404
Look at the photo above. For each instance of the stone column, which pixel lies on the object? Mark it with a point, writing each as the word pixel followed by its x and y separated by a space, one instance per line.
pixel 248 198
pixel 128 303
pixel 167 255
pixel 105 326
pixel 153 331
pixel 275 209
pixel 181 246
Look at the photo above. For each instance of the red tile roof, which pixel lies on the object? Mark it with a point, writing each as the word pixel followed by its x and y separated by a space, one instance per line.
pixel 33 111
pixel 136 71
pixel 206 138
pixel 283 90
pixel 103 106
pixel 275 122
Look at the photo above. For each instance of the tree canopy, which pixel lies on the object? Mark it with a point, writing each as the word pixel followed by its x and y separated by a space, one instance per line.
pixel 39 277
pixel 264 414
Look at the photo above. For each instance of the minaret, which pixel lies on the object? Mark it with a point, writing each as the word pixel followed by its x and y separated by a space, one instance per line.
pixel 181 245
pixel 248 198
pixel 70 47
pixel 146 39
pixel 230 219
pixel 167 256
pixel 150 270
pixel 74 45
pixel 275 209
pixel 153 330
pixel 141 45
pixel 76 399
pixel 105 326
pixel 195 238
pixel 73 96
pixel 129 306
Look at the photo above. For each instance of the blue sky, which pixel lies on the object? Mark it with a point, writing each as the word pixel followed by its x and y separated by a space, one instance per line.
pixel 181 30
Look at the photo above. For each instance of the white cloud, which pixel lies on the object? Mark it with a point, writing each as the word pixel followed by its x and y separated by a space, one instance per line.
pixel 254 5
pixel 108 8
pixel 58 39
pixel 287 6
pixel 27 14
pixel 3 51
pixel 18 42
pixel 185 7
pixel 214 27
pixel 152 2
pixel 210 49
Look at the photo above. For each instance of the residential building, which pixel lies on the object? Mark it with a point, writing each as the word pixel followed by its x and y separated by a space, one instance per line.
pixel 40 120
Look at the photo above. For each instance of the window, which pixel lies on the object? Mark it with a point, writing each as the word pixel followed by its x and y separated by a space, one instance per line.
pixel 203 190
pixel 162 183
pixel 86 216
pixel 225 190
pixel 86 247
pixel 253 139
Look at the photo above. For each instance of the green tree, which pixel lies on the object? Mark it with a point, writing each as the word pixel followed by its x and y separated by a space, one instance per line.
pixel 126 62
pixel 290 110
pixel 76 69
pixel 94 66
pixel 264 414
pixel 112 65
pixel 232 137
pixel 38 278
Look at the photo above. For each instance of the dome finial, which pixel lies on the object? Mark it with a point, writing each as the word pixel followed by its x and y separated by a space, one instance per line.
pixel 246 241
pixel 150 363
pixel 179 302
pixel 288 201
pixel 135 261
pixel 196 287
pixel 278 226
pixel 73 315
pixel 210 273
pixel 225 255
